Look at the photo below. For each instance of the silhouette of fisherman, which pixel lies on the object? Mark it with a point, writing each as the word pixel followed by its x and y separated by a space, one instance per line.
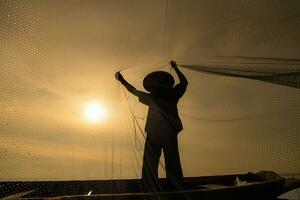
pixel 162 126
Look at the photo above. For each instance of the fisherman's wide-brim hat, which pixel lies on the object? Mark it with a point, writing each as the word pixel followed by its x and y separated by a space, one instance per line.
pixel 158 79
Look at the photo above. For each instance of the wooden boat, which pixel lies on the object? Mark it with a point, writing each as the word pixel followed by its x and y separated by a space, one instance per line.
pixel 262 185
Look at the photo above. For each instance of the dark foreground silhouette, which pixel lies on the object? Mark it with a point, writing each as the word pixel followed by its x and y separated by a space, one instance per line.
pixel 263 185
pixel 162 126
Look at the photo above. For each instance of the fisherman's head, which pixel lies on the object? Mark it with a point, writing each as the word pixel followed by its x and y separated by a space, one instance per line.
pixel 158 81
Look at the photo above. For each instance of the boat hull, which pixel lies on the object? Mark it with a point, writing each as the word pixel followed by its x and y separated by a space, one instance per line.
pixel 262 185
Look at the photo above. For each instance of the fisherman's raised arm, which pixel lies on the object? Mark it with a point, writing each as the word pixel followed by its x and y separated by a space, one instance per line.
pixel 127 85
pixel 143 96
pixel 182 85
pixel 180 75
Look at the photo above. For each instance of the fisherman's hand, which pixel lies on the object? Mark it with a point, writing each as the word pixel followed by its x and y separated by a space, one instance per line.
pixel 173 64
pixel 119 77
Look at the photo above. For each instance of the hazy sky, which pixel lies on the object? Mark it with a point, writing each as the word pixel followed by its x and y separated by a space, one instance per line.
pixel 56 56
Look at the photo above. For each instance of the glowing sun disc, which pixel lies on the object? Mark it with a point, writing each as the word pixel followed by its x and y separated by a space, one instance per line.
pixel 94 112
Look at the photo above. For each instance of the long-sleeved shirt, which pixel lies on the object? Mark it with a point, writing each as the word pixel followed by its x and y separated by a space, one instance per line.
pixel 163 112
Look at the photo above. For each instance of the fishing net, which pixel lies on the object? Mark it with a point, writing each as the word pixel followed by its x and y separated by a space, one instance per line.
pixel 240 112
pixel 283 76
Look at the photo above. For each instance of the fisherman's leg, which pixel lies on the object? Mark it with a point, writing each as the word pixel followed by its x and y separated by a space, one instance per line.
pixel 172 162
pixel 152 153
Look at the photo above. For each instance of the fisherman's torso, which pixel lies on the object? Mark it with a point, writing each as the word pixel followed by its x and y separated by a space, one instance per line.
pixel 163 114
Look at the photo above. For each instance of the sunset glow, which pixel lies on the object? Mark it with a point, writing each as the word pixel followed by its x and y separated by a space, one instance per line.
pixel 94 112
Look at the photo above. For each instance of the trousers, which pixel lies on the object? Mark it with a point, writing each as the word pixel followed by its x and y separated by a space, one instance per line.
pixel 155 143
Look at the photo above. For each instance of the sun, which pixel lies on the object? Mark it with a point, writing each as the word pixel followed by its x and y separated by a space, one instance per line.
pixel 94 112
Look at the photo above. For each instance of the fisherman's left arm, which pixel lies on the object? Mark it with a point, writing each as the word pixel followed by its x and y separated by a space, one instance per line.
pixel 127 85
